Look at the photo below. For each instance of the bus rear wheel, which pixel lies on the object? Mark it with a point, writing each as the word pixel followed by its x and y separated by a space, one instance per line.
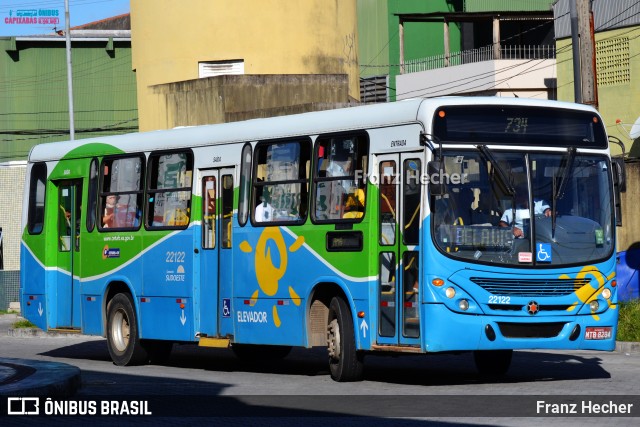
pixel 123 339
pixel 345 362
pixel 493 362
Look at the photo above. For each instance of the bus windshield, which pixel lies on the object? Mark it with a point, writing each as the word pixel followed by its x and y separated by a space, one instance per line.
pixel 555 209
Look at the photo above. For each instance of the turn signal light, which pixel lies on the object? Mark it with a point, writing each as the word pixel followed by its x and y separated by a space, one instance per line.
pixel 437 282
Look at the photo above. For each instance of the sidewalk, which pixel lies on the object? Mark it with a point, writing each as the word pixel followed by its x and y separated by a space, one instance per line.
pixel 21 377
pixel 30 378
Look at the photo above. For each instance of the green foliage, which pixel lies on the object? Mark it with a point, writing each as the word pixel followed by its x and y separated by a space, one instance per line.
pixel 629 321
pixel 23 324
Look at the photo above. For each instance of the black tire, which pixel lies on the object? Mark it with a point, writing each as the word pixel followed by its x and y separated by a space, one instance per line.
pixel 123 339
pixel 159 351
pixel 493 362
pixel 345 362
pixel 254 353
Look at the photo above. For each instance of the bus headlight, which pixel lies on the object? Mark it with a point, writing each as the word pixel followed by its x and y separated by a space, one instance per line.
pixel 463 304
pixel 594 305
pixel 450 292
pixel 606 294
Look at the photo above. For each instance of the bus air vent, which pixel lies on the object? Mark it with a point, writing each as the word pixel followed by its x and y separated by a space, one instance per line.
pixel 530 287
pixel 530 330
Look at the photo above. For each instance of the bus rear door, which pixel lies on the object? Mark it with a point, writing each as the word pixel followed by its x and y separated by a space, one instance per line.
pixel 398 261
pixel 216 263
pixel 67 292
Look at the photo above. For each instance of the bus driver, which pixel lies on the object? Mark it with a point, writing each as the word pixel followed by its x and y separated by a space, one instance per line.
pixel 540 207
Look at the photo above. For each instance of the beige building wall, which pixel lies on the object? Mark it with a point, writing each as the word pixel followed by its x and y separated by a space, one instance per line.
pixel 12 176
pixel 170 38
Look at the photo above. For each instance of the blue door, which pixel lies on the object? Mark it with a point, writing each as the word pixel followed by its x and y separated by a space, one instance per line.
pixel 215 249
pixel 399 220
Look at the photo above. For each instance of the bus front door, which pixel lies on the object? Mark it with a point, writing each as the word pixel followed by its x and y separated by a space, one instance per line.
pixel 67 295
pixel 215 252
pixel 398 261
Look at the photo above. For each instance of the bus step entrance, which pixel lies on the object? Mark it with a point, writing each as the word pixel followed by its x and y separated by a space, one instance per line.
pixel 214 342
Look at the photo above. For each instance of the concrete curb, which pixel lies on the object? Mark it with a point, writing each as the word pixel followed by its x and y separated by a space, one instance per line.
pixel 39 378
pixel 36 332
pixel 627 347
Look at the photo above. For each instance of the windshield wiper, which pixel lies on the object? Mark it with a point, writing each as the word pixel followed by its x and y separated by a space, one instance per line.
pixel 559 190
pixel 567 167
pixel 487 156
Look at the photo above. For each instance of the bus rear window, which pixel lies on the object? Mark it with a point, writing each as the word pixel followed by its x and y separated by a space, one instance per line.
pixel 37 187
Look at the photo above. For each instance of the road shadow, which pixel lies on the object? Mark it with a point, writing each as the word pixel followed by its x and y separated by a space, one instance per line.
pixel 427 370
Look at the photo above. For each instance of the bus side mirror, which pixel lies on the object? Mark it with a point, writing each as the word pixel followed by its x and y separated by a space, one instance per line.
pixel 619 173
pixel 436 175
pixel 619 186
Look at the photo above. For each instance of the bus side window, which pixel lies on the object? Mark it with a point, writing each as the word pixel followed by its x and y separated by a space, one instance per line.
pixel 227 210
pixel 169 189
pixel 245 185
pixel 340 187
pixel 280 181
pixel 121 192
pixel 93 195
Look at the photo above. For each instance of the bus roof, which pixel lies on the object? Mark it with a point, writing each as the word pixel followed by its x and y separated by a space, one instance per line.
pixel 416 110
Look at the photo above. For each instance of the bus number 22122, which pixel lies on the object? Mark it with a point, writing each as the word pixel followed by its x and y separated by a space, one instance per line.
pixel 175 257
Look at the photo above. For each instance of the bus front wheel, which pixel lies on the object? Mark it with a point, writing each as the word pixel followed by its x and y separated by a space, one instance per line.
pixel 345 362
pixel 123 338
pixel 492 362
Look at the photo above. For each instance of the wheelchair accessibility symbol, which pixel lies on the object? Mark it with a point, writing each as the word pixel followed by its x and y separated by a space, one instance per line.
pixel 226 307
pixel 543 253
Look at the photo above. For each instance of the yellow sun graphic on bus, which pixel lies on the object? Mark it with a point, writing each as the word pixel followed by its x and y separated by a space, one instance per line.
pixel 267 273
pixel 588 292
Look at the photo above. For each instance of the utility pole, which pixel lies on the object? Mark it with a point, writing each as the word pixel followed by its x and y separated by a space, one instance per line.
pixel 67 25
pixel 584 59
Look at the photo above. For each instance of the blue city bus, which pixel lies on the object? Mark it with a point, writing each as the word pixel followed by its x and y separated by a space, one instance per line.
pixel 484 225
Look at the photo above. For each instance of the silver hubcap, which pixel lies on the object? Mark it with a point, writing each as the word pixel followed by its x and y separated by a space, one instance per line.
pixel 120 330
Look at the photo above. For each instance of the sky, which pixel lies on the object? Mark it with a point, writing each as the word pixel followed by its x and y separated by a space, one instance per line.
pixel 36 17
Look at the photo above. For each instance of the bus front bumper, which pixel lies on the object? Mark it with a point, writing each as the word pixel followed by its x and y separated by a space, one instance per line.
pixel 445 330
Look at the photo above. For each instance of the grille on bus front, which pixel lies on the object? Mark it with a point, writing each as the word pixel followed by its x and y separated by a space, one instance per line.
pixel 530 287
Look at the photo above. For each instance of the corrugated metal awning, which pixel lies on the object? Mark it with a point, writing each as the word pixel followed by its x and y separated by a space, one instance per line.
pixel 607 15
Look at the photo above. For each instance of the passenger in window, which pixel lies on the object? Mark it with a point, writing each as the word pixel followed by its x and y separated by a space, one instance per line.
pixel 354 204
pixel 485 213
pixel 342 168
pixel 109 212
pixel 264 210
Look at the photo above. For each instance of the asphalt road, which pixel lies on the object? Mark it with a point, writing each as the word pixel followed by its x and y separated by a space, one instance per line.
pixel 408 390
